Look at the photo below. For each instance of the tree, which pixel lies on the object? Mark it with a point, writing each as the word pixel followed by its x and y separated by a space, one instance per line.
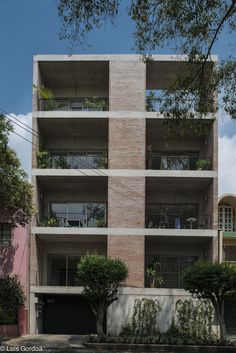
pixel 214 282
pixel 100 277
pixel 184 27
pixel 15 190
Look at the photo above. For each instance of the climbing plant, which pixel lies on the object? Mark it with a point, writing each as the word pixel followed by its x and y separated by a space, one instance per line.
pixel 143 322
pixel 195 320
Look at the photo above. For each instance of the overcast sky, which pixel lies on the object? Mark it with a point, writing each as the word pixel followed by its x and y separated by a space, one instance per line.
pixel 32 26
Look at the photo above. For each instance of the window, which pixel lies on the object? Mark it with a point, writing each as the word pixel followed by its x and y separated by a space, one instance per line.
pixel 62 270
pixel 226 217
pixel 171 269
pixel 5 234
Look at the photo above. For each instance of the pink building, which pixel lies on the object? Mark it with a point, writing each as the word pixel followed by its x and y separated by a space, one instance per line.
pixel 14 258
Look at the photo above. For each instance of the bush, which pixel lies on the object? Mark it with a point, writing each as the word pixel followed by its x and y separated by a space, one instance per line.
pixel 11 298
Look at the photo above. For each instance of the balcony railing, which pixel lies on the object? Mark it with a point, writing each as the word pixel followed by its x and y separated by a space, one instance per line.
pixel 178 221
pixel 181 162
pixel 73 160
pixel 74 104
pixel 79 220
pixel 157 104
pixel 63 277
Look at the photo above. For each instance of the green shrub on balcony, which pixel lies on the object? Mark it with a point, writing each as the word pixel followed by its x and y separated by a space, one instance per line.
pixel 43 158
pixel 47 95
pixel 203 164
pixel 95 102
pixel 50 222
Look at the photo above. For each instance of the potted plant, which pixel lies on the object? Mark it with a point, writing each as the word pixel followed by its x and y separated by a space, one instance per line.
pixel 203 164
pixel 102 163
pixel 47 95
pixel 101 222
pixel 95 103
pixel 43 158
pixel 52 221
pixel 153 274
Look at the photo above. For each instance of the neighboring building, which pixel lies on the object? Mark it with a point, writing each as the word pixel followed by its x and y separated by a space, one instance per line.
pixel 110 178
pixel 227 224
pixel 14 260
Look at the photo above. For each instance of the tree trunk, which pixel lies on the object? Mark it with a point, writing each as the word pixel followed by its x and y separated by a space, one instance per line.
pixel 222 324
pixel 99 322
pixel 219 309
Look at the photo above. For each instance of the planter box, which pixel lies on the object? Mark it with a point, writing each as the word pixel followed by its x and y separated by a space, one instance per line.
pixel 122 347
pixel 9 330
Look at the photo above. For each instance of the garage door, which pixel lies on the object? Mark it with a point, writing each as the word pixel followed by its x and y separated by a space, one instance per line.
pixel 66 314
pixel 230 316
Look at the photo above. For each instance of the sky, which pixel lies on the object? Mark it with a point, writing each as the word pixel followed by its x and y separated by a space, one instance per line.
pixel 32 26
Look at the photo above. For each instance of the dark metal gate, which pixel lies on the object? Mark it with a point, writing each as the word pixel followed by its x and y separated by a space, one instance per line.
pixel 230 316
pixel 67 314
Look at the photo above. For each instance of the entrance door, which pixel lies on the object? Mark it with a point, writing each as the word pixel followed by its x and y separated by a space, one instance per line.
pixel 230 316
pixel 67 314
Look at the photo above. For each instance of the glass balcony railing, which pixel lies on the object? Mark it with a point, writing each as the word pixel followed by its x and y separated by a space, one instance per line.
pixel 157 161
pixel 73 104
pixel 178 221
pixel 75 160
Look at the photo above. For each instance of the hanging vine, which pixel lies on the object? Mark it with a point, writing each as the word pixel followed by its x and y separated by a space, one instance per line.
pixel 143 322
pixel 195 320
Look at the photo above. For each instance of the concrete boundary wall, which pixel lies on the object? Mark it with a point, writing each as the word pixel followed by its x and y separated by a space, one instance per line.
pixel 120 311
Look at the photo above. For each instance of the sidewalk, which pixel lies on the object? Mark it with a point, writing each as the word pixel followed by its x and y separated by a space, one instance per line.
pixel 48 343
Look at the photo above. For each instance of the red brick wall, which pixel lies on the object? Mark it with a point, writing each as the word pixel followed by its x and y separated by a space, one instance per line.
pixel 127 88
pixel 127 143
pixel 126 209
pixel 130 249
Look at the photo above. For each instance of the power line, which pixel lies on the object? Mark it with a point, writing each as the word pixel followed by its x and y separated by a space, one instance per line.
pixel 79 171
pixel 18 40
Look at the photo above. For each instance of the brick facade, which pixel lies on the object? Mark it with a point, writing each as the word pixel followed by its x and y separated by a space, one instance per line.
pixel 130 249
pixel 127 143
pixel 127 87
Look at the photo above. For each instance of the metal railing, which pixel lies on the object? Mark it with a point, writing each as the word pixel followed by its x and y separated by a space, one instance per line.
pixel 74 104
pixel 181 162
pixel 73 161
pixel 79 220
pixel 156 104
pixel 62 277
pixel 178 221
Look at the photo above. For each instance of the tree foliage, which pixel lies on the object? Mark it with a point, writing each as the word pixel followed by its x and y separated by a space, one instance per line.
pixel 11 298
pixel 214 282
pixel 100 277
pixel 15 190
pixel 184 27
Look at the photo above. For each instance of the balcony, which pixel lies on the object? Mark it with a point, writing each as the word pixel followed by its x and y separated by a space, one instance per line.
pixel 73 160
pixel 73 104
pixel 186 161
pixel 88 215
pixel 183 216
pixel 178 221
pixel 62 277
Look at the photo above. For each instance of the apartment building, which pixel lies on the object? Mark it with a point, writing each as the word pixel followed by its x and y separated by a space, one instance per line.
pixel 108 177
pixel 227 226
